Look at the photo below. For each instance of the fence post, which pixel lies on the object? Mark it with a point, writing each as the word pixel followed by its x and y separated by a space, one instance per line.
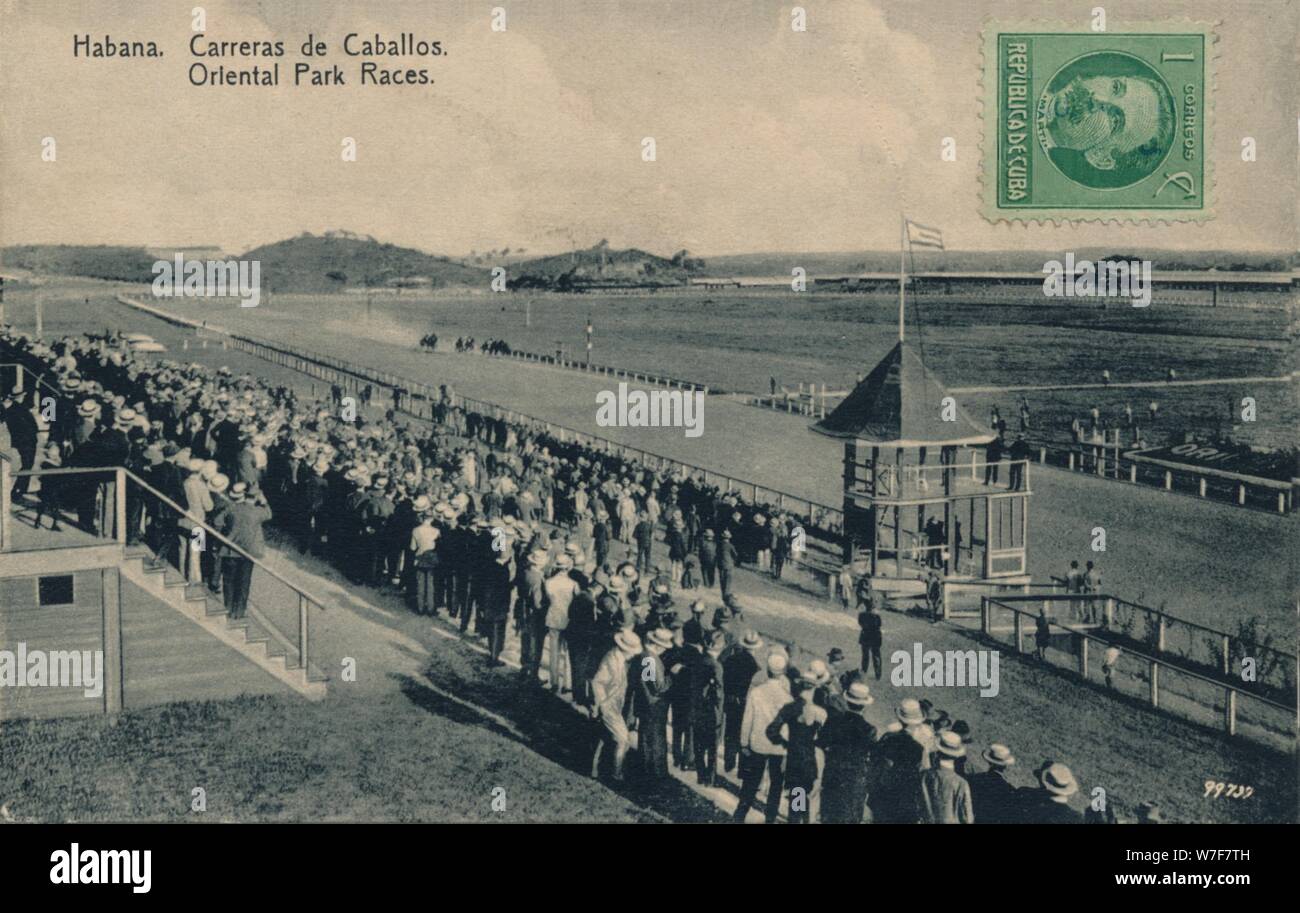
pixel 119 505
pixel 5 486
pixel 1071 460
pixel 1110 611
pixel 1020 634
pixel 1230 711
pixel 302 635
pixel 1155 683
pixel 1169 480
pixel 984 616
pixel 1083 655
pixel 1202 486
pixel 1241 493
pixel 1133 473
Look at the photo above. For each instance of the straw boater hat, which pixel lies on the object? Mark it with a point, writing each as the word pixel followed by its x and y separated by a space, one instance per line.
pixel 909 712
pixel 1057 779
pixel 218 483
pixel 563 562
pixel 950 745
pixel 538 558
pixel 421 504
pixel 88 408
pixel 751 640
pixel 194 465
pixel 998 755
pixel 238 491
pixel 661 637
pixel 697 607
pixel 124 420
pixel 859 695
pixel 817 672
pixel 627 641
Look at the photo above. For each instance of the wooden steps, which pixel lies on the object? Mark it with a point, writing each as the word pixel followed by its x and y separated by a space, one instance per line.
pixel 238 657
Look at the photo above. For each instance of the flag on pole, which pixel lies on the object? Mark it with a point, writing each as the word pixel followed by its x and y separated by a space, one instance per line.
pixel 923 236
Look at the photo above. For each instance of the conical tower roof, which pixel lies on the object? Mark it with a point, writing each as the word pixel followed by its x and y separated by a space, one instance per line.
pixel 900 404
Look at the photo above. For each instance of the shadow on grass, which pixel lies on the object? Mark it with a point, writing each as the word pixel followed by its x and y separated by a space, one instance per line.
pixel 553 728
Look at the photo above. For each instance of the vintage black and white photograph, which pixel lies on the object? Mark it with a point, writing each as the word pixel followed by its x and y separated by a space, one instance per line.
pixel 596 411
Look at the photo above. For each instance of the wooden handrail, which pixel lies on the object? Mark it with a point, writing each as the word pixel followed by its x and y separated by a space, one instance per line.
pixel 36 377
pixel 176 507
pixel 222 539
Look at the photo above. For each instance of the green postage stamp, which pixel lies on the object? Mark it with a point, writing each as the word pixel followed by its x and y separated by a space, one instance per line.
pixel 1097 125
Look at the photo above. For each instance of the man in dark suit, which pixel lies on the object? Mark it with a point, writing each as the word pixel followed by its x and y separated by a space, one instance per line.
pixel 727 561
pixel 1050 804
pixel 870 638
pixel 498 581
pixel 739 666
pixel 22 433
pixel 693 631
pixel 706 710
pixel 708 552
pixel 993 798
pixel 243 526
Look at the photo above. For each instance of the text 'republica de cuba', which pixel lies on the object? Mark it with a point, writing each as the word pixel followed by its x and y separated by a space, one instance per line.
pixel 385 60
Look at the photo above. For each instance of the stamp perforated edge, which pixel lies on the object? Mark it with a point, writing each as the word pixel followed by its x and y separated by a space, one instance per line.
pixel 988 111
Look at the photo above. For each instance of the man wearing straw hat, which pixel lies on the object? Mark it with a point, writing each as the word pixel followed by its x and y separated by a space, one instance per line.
pixel 560 590
pixel 198 504
pixel 758 753
pixel 945 796
pixel 423 547
pixel 609 693
pixel 497 588
pixel 796 727
pixel 1051 803
pixel 705 714
pixel 993 798
pixel 243 527
pixel 903 752
pixel 650 684
pixel 848 740
pixel 739 666
pixel 530 614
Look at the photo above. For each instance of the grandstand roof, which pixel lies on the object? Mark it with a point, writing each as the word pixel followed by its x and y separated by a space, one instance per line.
pixel 900 404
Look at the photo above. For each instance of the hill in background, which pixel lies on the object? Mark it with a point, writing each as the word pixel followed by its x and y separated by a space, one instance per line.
pixel 124 264
pixel 337 261
pixel 602 266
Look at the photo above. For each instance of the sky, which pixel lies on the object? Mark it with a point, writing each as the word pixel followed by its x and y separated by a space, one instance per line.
pixel 766 139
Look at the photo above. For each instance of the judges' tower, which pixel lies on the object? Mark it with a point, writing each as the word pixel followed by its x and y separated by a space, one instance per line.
pixel 918 490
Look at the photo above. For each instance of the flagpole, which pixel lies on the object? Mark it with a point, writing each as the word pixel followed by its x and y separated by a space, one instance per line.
pixel 902 241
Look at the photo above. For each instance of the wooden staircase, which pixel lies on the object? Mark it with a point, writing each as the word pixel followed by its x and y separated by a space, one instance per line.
pixel 167 670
